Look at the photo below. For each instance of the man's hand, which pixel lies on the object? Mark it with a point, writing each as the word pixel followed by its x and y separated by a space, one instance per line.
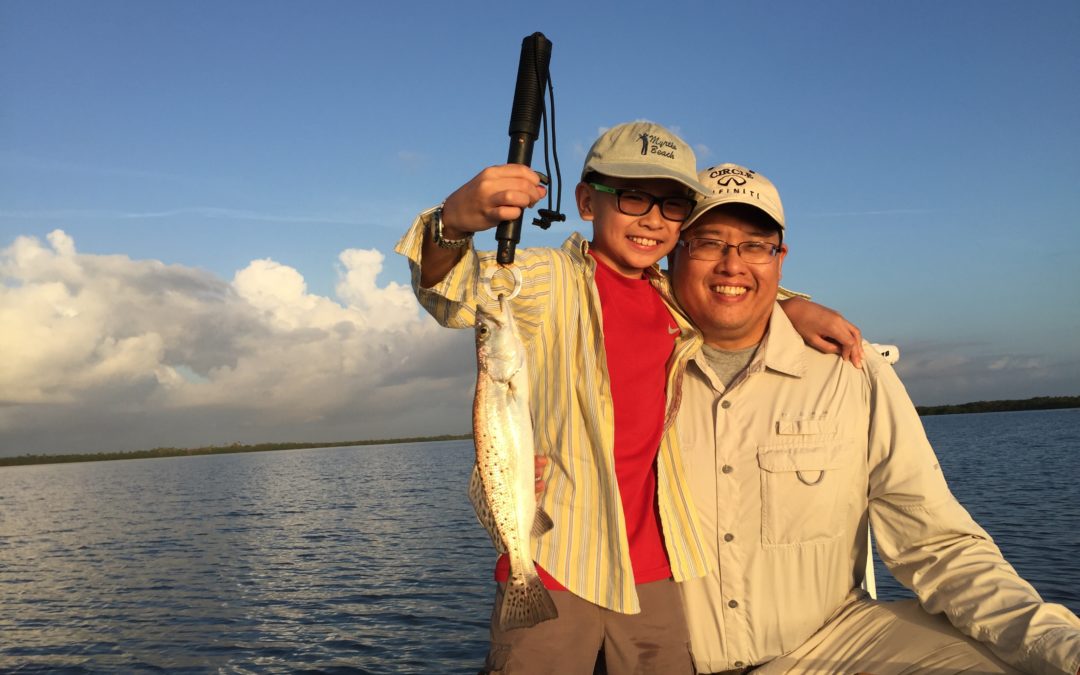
pixel 495 194
pixel 540 462
pixel 825 330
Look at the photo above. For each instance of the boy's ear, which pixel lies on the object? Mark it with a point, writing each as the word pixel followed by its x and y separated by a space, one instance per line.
pixel 584 198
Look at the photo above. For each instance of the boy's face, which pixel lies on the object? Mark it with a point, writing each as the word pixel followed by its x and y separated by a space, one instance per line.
pixel 629 244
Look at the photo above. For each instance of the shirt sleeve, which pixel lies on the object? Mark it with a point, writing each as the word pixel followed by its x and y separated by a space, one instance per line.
pixel 478 279
pixel 932 545
pixel 786 294
pixel 453 300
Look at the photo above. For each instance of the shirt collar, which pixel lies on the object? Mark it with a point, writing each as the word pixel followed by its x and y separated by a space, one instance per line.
pixel 578 249
pixel 782 349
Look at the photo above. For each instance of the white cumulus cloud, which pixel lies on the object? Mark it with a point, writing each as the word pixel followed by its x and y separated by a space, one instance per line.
pixel 103 352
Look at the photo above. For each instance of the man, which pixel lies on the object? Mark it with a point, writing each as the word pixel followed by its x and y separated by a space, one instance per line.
pixel 789 452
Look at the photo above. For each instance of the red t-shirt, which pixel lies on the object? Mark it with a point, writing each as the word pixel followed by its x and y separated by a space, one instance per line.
pixel 639 335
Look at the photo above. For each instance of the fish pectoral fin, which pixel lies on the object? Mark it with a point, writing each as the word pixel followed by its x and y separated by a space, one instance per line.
pixel 542 523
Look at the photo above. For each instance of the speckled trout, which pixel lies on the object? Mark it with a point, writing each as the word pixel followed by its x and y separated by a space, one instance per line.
pixel 503 433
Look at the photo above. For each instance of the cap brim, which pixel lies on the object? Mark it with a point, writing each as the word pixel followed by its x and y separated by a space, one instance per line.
pixel 705 206
pixel 628 170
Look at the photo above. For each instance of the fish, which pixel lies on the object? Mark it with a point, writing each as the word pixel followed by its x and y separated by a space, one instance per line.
pixel 505 464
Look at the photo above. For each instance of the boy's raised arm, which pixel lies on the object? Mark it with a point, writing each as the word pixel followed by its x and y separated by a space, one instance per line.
pixel 495 194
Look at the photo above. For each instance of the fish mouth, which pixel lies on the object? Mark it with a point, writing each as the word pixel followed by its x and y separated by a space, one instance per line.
pixel 495 316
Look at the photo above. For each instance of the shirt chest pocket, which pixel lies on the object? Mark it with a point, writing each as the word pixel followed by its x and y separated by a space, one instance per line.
pixel 804 491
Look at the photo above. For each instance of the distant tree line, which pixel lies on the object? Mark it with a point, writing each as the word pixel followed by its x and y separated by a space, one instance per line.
pixel 1037 403
pixel 210 450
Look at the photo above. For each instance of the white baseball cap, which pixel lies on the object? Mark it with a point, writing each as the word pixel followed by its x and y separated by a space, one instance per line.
pixel 731 183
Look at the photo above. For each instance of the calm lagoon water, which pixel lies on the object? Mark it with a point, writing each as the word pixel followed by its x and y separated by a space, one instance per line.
pixel 368 559
pixel 1016 473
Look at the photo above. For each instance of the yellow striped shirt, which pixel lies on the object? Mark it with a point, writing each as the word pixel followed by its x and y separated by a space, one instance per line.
pixel 558 314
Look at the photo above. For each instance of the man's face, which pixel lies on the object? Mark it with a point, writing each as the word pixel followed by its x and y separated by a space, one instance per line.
pixel 629 244
pixel 729 300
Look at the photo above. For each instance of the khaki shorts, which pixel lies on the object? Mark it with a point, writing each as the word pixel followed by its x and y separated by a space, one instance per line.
pixel 654 641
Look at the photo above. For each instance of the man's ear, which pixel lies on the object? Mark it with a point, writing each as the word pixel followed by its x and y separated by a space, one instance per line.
pixel 584 197
pixel 780 261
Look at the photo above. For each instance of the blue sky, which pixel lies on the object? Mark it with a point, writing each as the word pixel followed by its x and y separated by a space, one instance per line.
pixel 188 191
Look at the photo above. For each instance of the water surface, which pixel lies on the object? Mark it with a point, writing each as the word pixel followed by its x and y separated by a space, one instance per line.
pixel 368 559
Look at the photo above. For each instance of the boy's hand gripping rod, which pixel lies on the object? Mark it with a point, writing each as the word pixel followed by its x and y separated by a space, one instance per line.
pixel 525 119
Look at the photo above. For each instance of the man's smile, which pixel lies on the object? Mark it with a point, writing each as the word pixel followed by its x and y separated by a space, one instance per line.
pixel 732 291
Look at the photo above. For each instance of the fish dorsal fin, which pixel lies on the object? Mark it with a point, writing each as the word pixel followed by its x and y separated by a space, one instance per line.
pixel 542 523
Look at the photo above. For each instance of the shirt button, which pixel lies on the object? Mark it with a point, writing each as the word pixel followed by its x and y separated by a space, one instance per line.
pixel 729 536
pixel 739 664
pixel 727 468
pixel 733 603
pixel 725 404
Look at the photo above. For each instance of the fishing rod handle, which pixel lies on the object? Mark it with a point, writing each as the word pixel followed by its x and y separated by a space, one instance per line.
pixel 532 76
pixel 525 118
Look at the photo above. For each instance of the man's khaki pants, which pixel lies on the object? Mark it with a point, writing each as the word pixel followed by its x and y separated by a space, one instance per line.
pixel 888 638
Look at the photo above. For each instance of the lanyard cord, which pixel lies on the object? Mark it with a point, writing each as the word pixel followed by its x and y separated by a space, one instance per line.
pixel 548 216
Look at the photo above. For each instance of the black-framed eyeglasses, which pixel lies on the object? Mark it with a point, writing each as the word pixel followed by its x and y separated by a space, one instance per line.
pixel 752 252
pixel 633 202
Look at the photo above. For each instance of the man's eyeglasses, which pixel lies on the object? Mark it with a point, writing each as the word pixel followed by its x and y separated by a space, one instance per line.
pixel 752 252
pixel 633 202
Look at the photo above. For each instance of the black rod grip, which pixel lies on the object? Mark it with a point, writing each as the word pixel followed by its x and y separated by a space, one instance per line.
pixel 525 119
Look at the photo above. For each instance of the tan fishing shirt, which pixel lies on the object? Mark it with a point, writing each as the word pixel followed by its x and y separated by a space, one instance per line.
pixel 558 314
pixel 786 465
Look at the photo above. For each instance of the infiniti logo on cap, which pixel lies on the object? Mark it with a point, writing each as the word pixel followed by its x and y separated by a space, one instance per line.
pixel 729 175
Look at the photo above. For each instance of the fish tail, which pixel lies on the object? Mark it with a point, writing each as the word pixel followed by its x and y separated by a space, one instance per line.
pixel 525 602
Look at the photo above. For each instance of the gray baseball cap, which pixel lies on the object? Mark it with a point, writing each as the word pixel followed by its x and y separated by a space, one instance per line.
pixel 643 150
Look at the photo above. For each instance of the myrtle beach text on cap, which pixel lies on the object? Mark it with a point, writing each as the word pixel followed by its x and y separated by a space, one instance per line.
pixel 643 150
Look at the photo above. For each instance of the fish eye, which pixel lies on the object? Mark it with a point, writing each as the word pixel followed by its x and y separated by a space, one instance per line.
pixel 483 330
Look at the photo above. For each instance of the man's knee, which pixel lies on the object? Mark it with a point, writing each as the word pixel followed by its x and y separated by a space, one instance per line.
pixel 889 638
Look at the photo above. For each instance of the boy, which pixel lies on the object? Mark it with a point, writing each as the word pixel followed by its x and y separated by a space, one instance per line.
pixel 623 520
